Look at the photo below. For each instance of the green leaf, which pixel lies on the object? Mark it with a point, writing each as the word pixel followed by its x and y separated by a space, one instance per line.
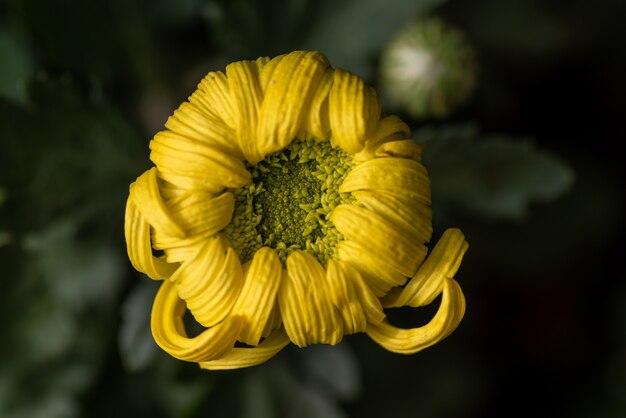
pixel 352 32
pixel 494 176
pixel 136 345
pixel 257 397
pixel 333 369
pixel 76 273
pixel 301 400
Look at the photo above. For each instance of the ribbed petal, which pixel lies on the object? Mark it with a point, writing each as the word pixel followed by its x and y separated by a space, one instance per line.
pixel 371 229
pixel 369 302
pixel 287 98
pixel 186 182
pixel 442 263
pixel 305 303
pixel 145 194
pixel 169 331
pixel 205 166
pixel 210 283
pixel 191 122
pixel 406 213
pixel 409 341
pixel 258 296
pixel 245 90
pixel 375 269
pixel 137 233
pixel 246 357
pixel 266 74
pixel 200 213
pixel 214 98
pixel 404 148
pixel 354 111
pixel 393 175
pixel 316 120
pixel 355 301
pixel 390 128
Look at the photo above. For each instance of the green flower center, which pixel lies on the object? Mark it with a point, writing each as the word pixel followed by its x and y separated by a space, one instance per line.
pixel 289 203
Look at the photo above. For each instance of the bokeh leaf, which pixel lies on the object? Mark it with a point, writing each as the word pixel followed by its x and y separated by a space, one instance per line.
pixel 17 66
pixel 136 345
pixel 493 176
pixel 333 369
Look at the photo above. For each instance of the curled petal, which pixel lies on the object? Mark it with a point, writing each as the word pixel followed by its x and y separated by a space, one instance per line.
pixel 393 175
pixel 203 165
pixel 377 272
pixel 287 97
pixel 405 213
pixel 404 148
pixel 354 111
pixel 245 90
pixel 210 282
pixel 442 263
pixel 305 303
pixel 390 128
pixel 137 233
pixel 191 122
pixel 201 213
pixel 246 357
pixel 354 300
pixel 169 331
pixel 316 120
pixel 409 341
pixel 371 229
pixel 213 97
pixel 258 296
pixel 145 194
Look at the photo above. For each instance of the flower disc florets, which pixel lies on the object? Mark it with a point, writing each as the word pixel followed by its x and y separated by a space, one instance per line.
pixel 288 205
pixel 287 209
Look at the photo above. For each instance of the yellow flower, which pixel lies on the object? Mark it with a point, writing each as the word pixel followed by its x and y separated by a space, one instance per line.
pixel 284 207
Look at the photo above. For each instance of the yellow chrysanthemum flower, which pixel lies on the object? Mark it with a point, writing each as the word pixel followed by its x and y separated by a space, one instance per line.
pixel 284 207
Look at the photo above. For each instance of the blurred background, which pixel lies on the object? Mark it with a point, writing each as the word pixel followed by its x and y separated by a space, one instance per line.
pixel 520 104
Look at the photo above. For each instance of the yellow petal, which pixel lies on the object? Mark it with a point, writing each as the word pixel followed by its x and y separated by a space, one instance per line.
pixel 390 128
pixel 145 194
pixel 376 271
pixel 246 357
pixel 266 74
pixel 200 213
pixel 370 229
pixel 204 164
pixel 316 122
pixel 181 250
pixel 352 298
pixel 393 175
pixel 211 282
pixel 246 94
pixel 354 111
pixel 287 97
pixel 406 213
pixel 185 182
pixel 305 304
pixel 369 302
pixel 409 341
pixel 169 331
pixel 191 122
pixel 214 98
pixel 404 148
pixel 442 263
pixel 258 296
pixel 137 233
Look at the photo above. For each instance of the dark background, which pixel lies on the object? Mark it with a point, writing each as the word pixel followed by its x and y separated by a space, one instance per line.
pixel 85 85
